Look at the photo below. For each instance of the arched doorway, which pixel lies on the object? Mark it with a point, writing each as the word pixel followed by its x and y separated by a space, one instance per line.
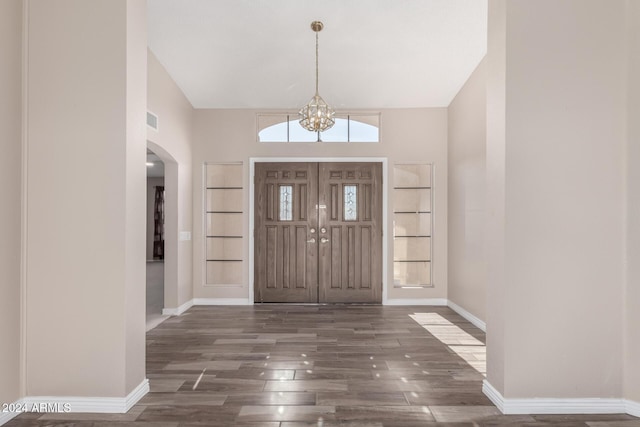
pixel 170 231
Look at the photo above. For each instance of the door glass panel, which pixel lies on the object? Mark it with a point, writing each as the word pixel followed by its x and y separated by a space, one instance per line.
pixel 286 203
pixel 350 203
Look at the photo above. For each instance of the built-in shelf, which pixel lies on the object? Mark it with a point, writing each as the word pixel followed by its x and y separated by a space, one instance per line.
pixel 224 213
pixel 412 225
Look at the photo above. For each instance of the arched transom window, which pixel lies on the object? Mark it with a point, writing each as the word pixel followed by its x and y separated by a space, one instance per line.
pixel 347 128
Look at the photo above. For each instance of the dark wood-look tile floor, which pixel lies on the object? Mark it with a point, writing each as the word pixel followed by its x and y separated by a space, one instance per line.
pixel 296 365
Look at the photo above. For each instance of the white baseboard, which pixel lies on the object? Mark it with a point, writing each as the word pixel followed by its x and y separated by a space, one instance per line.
pixel 109 405
pixel 555 406
pixel 494 395
pixel 155 322
pixel 632 408
pixel 177 311
pixel 5 417
pixel 416 301
pixel 470 317
pixel 136 394
pixel 221 301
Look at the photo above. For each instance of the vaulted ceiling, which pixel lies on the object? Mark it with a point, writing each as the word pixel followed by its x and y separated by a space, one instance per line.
pixel 373 53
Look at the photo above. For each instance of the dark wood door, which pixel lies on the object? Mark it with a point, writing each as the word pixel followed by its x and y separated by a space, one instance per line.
pixel 318 235
pixel 286 258
pixel 350 232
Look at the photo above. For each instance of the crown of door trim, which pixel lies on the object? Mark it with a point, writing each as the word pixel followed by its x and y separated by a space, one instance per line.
pixel 385 190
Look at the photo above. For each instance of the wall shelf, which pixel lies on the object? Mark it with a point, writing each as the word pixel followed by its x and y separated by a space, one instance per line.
pixel 224 215
pixel 412 225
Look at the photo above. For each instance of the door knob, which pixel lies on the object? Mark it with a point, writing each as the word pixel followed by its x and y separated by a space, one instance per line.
pixel 312 240
pixel 324 240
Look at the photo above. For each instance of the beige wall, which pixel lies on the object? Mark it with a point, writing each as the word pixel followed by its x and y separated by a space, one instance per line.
pixel 467 179
pixel 495 193
pixel 152 183
pixel 407 135
pixel 86 186
pixel 173 143
pixel 632 295
pixel 10 176
pixel 135 191
pixel 564 145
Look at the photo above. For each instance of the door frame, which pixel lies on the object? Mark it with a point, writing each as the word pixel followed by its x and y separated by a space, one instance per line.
pixel 385 190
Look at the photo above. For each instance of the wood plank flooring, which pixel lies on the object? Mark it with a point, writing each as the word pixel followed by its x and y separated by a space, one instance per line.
pixel 296 365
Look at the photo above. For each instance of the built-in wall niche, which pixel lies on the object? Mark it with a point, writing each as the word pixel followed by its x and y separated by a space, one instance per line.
pixel 224 224
pixel 412 225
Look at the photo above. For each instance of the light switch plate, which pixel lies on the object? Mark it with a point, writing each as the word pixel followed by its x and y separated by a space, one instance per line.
pixel 185 236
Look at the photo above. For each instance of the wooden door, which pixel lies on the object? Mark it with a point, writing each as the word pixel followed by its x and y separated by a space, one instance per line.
pixel 286 251
pixel 318 232
pixel 350 233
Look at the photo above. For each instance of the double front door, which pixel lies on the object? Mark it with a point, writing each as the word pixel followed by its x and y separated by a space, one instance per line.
pixel 318 235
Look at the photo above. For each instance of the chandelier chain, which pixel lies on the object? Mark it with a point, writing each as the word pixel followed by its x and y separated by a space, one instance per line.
pixel 317 74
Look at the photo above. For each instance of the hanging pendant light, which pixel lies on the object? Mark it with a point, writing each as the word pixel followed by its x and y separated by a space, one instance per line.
pixel 317 115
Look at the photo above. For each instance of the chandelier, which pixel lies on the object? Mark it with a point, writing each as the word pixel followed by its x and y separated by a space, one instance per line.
pixel 317 115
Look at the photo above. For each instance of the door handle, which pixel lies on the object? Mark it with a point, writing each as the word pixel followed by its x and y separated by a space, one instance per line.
pixel 312 240
pixel 324 240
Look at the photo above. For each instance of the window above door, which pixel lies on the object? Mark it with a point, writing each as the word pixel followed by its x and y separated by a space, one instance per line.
pixel 284 127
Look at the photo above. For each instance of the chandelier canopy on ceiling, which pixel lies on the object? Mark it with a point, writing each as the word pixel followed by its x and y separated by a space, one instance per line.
pixel 317 115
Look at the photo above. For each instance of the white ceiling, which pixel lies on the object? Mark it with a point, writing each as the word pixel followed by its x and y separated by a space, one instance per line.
pixel 373 53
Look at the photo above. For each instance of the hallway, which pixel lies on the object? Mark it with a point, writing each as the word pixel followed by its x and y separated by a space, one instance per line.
pixel 297 365
pixel 155 294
